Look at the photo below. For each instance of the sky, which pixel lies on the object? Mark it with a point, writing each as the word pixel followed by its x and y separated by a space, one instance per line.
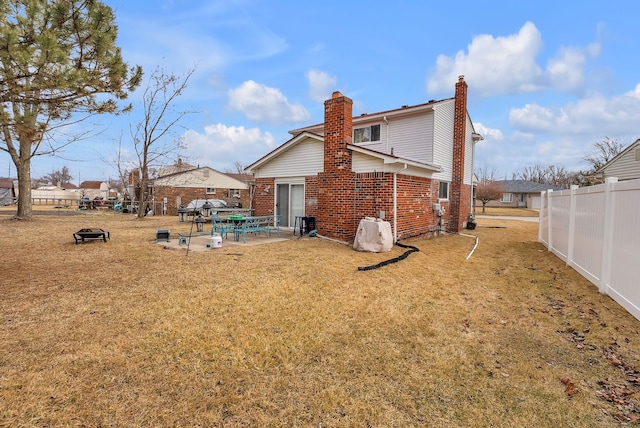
pixel 546 79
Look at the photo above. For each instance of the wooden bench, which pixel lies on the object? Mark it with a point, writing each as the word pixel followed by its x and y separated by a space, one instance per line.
pixel 87 234
pixel 257 224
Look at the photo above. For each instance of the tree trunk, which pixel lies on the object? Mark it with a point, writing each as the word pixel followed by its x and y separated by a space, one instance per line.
pixel 144 196
pixel 483 205
pixel 24 189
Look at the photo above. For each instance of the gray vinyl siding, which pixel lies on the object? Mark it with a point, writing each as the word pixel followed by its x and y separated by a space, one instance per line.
pixel 409 137
pixel 304 159
pixel 363 163
pixel 626 167
pixel 412 137
pixel 443 139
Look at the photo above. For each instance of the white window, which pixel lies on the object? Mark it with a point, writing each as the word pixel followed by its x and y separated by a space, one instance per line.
pixel 443 190
pixel 211 190
pixel 506 197
pixel 366 134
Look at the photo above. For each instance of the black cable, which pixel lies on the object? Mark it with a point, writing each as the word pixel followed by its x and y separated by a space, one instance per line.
pixel 393 260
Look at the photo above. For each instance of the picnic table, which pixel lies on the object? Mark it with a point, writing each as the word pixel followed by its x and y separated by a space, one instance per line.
pixel 87 234
pixel 241 225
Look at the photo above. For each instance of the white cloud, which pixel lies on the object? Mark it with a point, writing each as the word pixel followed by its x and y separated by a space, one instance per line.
pixel 488 133
pixel 263 104
pixel 221 146
pixel 321 85
pixel 503 64
pixel 566 69
pixel 507 65
pixel 595 115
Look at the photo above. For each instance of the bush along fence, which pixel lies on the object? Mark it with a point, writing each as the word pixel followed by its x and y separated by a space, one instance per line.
pixel 596 231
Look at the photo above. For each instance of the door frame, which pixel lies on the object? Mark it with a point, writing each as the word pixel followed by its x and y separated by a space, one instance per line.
pixel 291 181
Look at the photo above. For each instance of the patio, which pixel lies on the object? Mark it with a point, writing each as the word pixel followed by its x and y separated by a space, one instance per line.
pixel 200 242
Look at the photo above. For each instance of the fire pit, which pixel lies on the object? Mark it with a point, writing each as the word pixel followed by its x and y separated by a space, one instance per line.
pixel 86 234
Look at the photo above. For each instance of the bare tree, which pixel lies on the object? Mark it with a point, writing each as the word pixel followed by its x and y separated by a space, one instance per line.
pixel 603 152
pixel 238 168
pixel 59 177
pixel 549 174
pixel 535 173
pixel 151 136
pixel 488 190
pixel 485 174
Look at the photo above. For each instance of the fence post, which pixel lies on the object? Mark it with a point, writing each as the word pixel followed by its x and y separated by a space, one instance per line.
pixel 549 221
pixel 541 215
pixel 607 235
pixel 572 224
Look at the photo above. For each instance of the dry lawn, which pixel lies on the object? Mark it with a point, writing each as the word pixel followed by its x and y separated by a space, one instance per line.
pixel 127 333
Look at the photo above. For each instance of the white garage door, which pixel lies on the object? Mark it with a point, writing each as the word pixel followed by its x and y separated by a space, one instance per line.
pixel 535 202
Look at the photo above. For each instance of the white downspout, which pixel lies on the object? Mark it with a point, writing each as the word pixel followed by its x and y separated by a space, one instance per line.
pixel 475 138
pixel 473 158
pixel 395 203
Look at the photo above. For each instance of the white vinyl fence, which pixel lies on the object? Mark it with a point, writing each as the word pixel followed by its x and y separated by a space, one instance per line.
pixel 596 231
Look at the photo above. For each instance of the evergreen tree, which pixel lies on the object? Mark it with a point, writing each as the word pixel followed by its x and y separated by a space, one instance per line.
pixel 58 60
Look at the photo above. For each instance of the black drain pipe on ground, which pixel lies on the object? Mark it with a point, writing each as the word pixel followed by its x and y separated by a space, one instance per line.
pixel 411 249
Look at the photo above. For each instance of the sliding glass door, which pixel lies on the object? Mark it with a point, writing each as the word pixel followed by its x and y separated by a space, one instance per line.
pixel 289 202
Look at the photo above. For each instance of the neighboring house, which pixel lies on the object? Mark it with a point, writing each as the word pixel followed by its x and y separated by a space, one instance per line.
pixel 396 164
pixel 180 188
pixel 52 193
pixel 519 194
pixel 179 166
pixel 7 193
pixel 624 166
pixel 94 189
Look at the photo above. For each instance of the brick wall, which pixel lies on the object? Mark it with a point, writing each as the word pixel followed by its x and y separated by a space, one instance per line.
pixel 374 193
pixel 414 198
pixel 188 194
pixel 311 196
pixel 263 196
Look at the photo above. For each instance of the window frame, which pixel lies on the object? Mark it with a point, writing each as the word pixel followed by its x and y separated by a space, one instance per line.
pixel 443 189
pixel 210 191
pixel 371 134
pixel 506 200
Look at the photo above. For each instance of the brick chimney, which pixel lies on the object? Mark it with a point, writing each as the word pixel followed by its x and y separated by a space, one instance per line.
pixel 336 204
pixel 459 194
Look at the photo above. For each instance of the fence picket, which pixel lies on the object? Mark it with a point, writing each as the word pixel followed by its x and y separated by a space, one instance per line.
pixel 599 247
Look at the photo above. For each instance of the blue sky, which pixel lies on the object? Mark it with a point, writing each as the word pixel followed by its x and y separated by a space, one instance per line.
pixel 546 79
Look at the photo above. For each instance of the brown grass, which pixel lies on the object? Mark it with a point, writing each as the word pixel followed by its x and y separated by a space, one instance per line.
pixel 127 333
